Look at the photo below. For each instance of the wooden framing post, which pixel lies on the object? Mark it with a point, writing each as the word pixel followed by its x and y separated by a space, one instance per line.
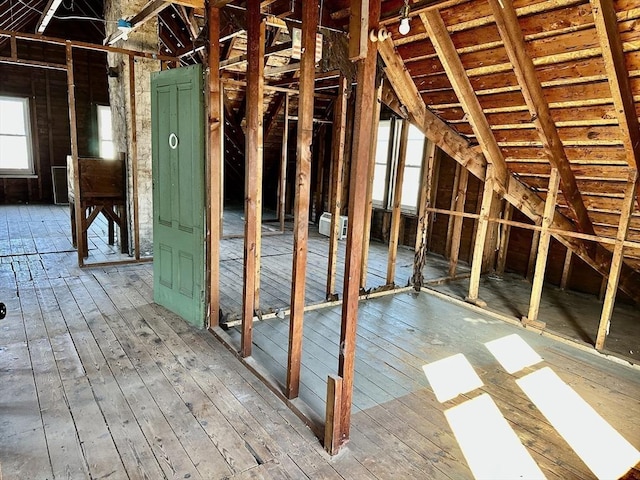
pixel 134 156
pixel 422 232
pixel 73 127
pixel 284 155
pixel 369 195
pixel 535 241
pixel 505 232
pixel 214 168
pixel 332 416
pixel 396 213
pixel 319 194
pixel 361 157
pixel 253 172
pixel 481 235
pixel 461 198
pixel 339 134
pixel 302 194
pixel 566 269
pixel 543 249
pixel 616 262
pixel 452 206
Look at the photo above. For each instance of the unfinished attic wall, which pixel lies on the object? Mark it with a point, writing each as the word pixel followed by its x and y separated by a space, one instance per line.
pixel 144 39
pixel 49 109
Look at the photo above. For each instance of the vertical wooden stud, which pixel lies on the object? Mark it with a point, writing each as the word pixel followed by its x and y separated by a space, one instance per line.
pixel 73 129
pixel 535 241
pixel 284 155
pixel 458 221
pixel 214 167
pixel 452 207
pixel 339 133
pixel 481 234
pixel 396 212
pixel 617 260
pixel 332 440
pixel 302 194
pixel 134 156
pixel 253 171
pixel 566 269
pixel 505 230
pixel 424 218
pixel 543 248
pixel 361 157
pixel 369 195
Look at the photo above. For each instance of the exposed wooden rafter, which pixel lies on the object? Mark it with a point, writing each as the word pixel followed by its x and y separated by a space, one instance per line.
pixel 452 64
pixel 458 148
pixel 531 88
pixel 613 55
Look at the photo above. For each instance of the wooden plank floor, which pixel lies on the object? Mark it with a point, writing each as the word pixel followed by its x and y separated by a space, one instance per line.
pixel 571 314
pixel 99 382
pixel 400 428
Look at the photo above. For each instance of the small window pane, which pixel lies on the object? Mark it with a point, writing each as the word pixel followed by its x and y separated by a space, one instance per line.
pixel 14 153
pixel 105 132
pixel 12 116
pixel 410 188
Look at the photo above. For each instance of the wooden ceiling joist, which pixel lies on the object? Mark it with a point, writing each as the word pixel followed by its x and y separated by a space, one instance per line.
pixel 457 147
pixel 464 91
pixel 509 28
pixel 618 74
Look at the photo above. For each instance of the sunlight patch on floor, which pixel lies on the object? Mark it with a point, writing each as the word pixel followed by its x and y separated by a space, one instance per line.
pixel 513 353
pixel 597 443
pixel 492 449
pixel 451 376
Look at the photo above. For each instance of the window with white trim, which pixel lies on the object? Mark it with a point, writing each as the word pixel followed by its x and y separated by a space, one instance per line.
pixel 412 170
pixel 386 165
pixel 105 132
pixel 16 146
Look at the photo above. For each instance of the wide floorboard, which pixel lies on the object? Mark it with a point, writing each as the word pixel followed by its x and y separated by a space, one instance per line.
pixel 97 381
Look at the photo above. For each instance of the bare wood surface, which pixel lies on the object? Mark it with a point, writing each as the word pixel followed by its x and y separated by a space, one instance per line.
pixel 543 247
pixel 360 159
pixel 253 173
pixel 616 263
pixel 214 167
pixel 337 166
pixel 460 199
pixel 396 213
pixel 302 196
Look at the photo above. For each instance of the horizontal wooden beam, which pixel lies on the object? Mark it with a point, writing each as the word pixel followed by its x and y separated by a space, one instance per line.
pixel 85 45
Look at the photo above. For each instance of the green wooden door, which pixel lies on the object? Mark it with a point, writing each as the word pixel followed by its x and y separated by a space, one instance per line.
pixel 177 123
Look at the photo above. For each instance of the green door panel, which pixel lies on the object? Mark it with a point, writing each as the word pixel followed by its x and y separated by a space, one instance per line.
pixel 177 124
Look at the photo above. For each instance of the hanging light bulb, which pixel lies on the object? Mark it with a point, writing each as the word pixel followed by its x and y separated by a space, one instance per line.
pixel 404 18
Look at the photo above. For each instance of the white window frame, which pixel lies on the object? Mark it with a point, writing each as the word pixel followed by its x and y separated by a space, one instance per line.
pixel 28 171
pixel 387 154
pixel 105 140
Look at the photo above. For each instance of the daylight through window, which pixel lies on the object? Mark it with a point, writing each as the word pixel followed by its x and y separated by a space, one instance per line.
pixel 16 157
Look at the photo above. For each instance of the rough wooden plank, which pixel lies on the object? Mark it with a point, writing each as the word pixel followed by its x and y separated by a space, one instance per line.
pixel 481 234
pixel 253 172
pixel 214 168
pixel 543 249
pixel 366 240
pixel 425 200
pixel 460 199
pixel 504 240
pixel 396 213
pixel 337 166
pixel 302 194
pixel 447 53
pixel 616 263
pixel 361 157
pixel 618 75
pixel 531 88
